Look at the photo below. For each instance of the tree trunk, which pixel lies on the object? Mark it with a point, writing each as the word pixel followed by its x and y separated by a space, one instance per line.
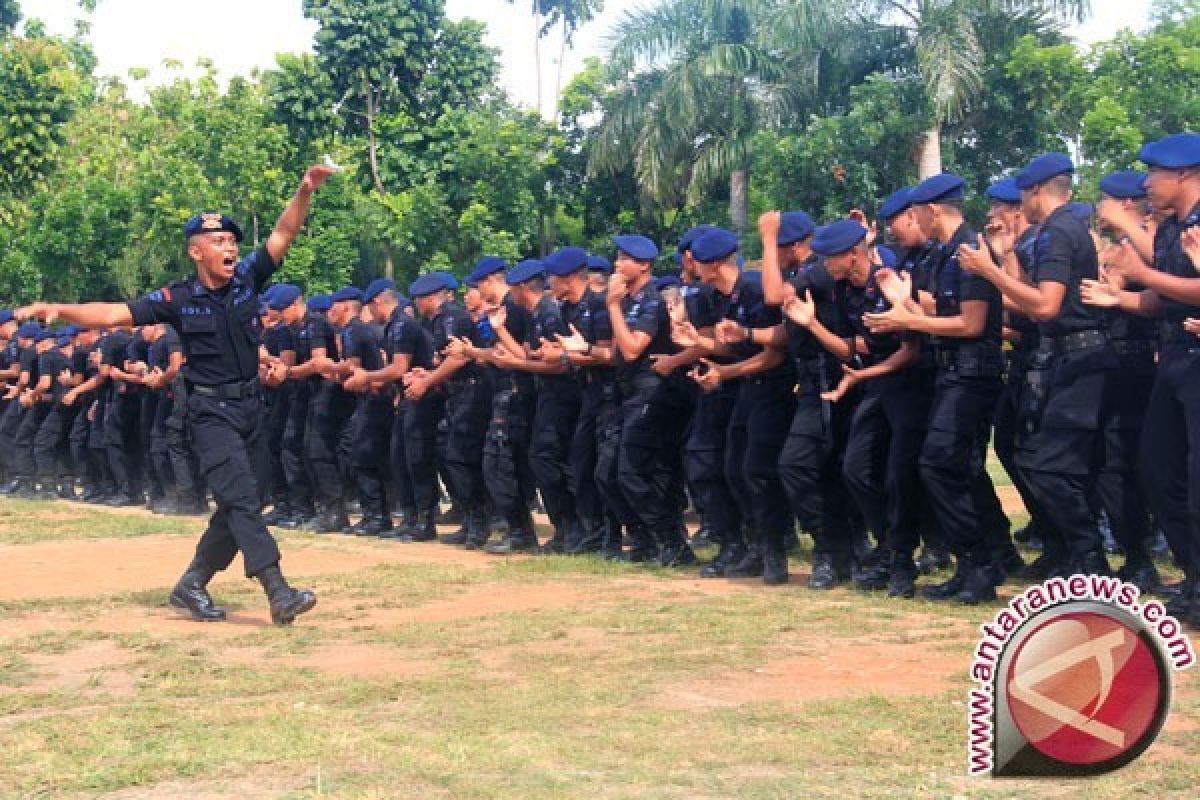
pixel 537 57
pixel 739 211
pixel 389 270
pixel 930 162
pixel 562 56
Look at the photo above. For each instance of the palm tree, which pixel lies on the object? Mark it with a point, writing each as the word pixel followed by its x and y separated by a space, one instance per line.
pixel 950 57
pixel 696 79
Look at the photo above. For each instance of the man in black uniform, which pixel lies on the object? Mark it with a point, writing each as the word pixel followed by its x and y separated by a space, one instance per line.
pixel 41 401
pixel 80 397
pixel 964 320
pixel 651 404
pixel 216 314
pixel 588 348
pixel 288 300
pixel 413 437
pixel 816 337
pixel 1064 399
pixel 1169 460
pixel 764 401
pixel 557 402
pixel 468 392
pixel 1135 339
pixel 370 427
pixel 328 410
pixel 277 340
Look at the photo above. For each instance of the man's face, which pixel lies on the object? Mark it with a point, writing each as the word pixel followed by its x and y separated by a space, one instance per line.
pixel 295 312
pixel 707 270
pixel 428 305
pixel 473 300
pixel 1004 216
pixel 376 309
pixel 905 229
pixel 1163 187
pixel 493 288
pixel 842 265
pixel 8 329
pixel 215 256
pixel 630 269
pixel 597 281
pixel 562 287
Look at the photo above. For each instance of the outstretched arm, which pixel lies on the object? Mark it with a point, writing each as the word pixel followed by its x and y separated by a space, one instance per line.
pixel 288 226
pixel 89 315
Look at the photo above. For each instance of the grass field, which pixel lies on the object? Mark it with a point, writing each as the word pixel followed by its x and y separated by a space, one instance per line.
pixel 429 672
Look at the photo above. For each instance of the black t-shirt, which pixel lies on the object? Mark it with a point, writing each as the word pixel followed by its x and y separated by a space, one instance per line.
pixel 358 341
pixel 1170 258
pixel 745 306
pixel 1065 253
pixel 590 317
pixel 277 339
pixel 52 363
pixel 856 301
pixel 816 280
pixel 406 336
pixel 951 286
pixel 453 321
pixel 1019 322
pixel 546 324
pixel 321 334
pixel 220 328
pixel 27 357
pixel 646 311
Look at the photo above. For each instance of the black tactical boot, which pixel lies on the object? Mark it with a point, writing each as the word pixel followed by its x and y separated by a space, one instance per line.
pixel 750 565
pixel 423 529
pixel 286 603
pixel 190 594
pixel 947 590
pixel 978 586
pixel 775 560
pixel 829 571
pixel 730 553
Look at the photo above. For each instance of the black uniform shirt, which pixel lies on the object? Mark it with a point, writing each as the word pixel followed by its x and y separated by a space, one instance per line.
pixel 952 286
pixel 1064 252
pixel 816 280
pixel 220 328
pixel 745 306
pixel 358 341
pixel 451 321
pixel 646 311
pixel 1170 258
pixel 52 363
pixel 406 336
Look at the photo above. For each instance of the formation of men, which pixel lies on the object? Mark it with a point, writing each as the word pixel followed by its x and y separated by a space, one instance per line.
pixel 850 388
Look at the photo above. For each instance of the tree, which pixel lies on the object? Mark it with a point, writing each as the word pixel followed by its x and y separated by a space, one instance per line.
pixel 10 15
pixel 951 56
pixel 698 78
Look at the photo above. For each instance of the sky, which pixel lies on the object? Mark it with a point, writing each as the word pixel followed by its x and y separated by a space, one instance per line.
pixel 239 35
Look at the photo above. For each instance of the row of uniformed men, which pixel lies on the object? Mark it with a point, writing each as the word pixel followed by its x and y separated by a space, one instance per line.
pixel 845 380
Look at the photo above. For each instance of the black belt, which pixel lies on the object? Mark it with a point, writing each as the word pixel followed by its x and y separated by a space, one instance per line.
pixel 227 391
pixel 1135 347
pixel 1072 342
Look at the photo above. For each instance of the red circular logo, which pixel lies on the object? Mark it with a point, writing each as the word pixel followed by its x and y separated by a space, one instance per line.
pixel 1085 688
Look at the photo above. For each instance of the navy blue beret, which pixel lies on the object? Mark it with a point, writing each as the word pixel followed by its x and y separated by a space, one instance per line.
pixel 44 334
pixel 1043 168
pixel 211 222
pixel 1178 151
pixel 566 261
pixel 690 236
pixel 887 257
pixel 427 284
pixel 637 247
pixel 320 302
pixel 378 287
pixel 449 280
pixel 348 293
pixel 896 203
pixel 753 276
pixel 938 189
pixel 29 330
pixel 838 237
pixel 487 265
pixel 63 340
pixel 1125 184
pixel 794 226
pixel 5 316
pixel 71 330
pixel 1083 211
pixel 599 264
pixel 667 282
pixel 714 245
pixel 1005 191
pixel 283 295
pixel 525 271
